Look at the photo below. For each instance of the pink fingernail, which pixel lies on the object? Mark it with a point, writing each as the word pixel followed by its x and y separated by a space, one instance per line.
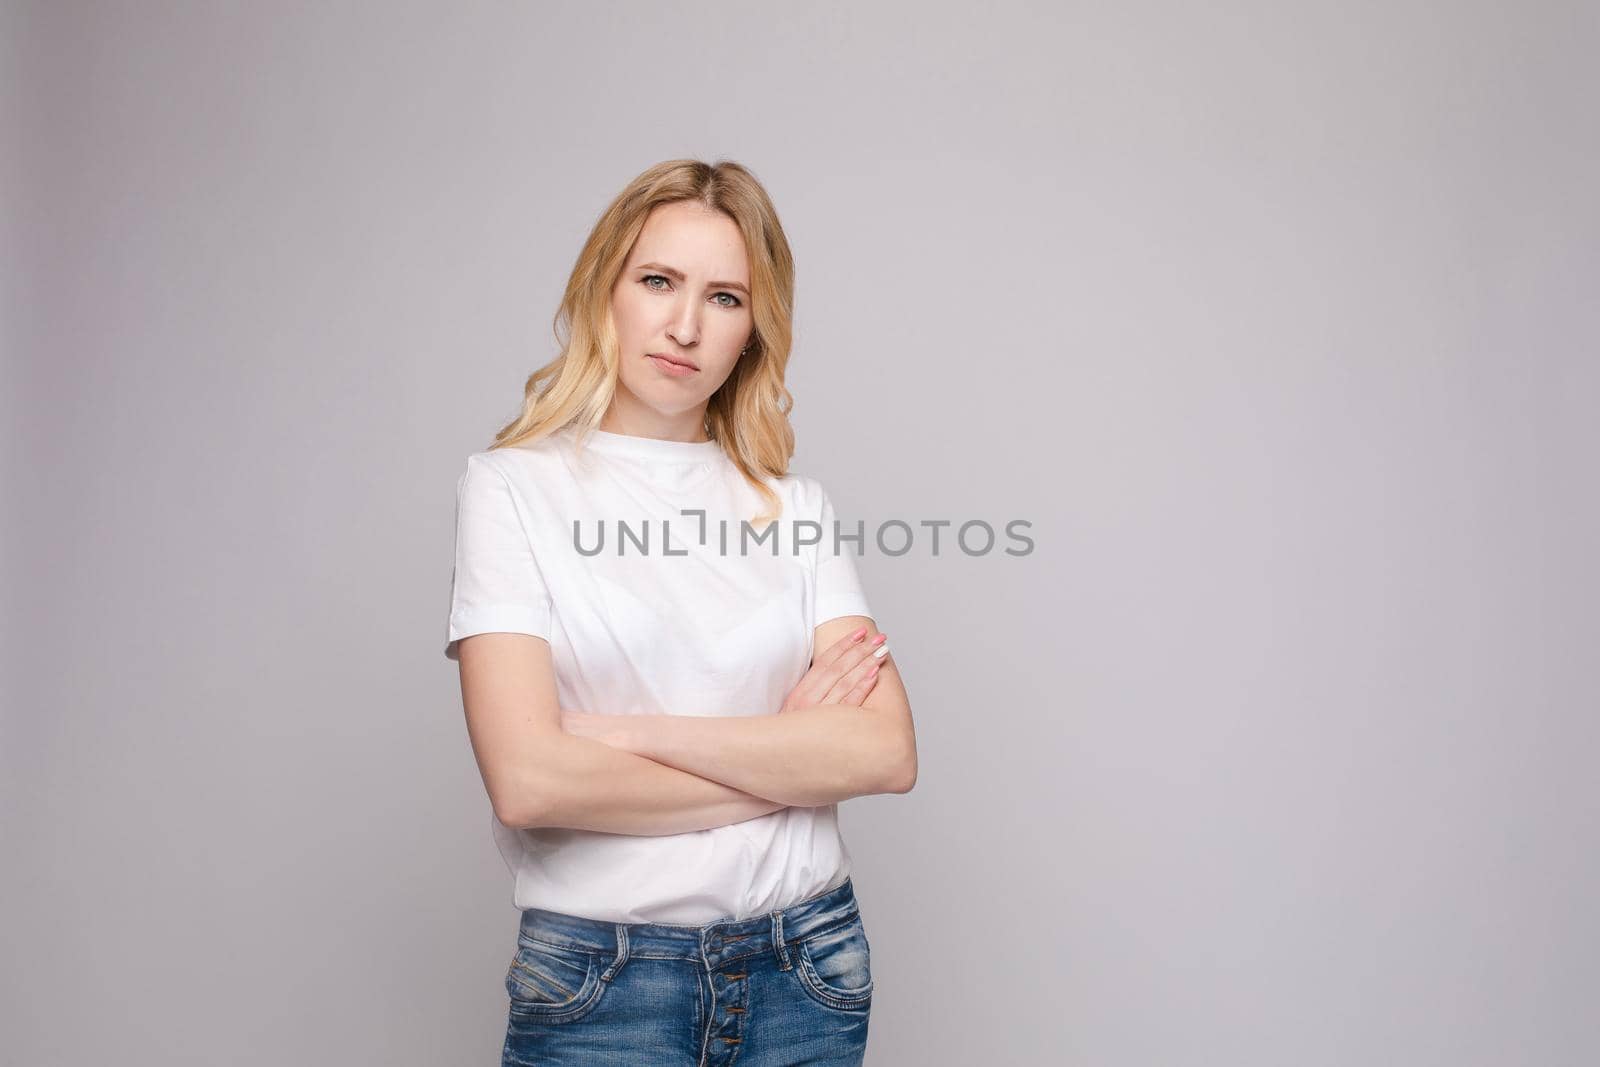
pixel 858 634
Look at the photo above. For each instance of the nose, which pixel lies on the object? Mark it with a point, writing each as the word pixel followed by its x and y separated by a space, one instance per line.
pixel 685 327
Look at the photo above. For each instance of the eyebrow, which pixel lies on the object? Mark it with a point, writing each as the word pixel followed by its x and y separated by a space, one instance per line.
pixel 678 275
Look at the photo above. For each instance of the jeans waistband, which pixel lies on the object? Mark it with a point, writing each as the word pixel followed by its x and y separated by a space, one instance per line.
pixel 713 943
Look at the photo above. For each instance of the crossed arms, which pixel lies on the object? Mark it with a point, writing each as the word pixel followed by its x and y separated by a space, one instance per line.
pixel 668 774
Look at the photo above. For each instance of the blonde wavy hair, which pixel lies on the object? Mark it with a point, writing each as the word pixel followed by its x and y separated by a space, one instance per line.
pixel 749 414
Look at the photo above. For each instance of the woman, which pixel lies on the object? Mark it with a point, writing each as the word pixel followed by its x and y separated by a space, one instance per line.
pixel 670 673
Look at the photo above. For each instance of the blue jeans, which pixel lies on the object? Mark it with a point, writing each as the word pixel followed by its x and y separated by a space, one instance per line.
pixel 793 986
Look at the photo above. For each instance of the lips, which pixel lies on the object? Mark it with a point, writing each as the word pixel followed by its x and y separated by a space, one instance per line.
pixel 680 361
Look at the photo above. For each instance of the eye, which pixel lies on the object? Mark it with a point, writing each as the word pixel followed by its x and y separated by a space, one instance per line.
pixel 649 278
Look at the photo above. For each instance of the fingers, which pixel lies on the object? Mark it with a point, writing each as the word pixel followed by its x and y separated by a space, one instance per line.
pixel 841 646
pixel 866 652
pixel 867 661
pixel 854 658
pixel 835 673
pixel 858 692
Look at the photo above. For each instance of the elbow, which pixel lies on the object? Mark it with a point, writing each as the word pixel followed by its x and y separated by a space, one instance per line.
pixel 522 804
pixel 535 791
pixel 517 813
pixel 902 777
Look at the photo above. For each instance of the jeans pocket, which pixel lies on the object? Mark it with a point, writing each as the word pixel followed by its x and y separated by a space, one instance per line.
pixel 835 965
pixel 553 983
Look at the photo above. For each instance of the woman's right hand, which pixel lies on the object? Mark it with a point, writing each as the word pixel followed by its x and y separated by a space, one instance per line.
pixel 844 673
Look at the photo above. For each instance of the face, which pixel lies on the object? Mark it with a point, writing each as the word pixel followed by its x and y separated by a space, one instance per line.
pixel 681 309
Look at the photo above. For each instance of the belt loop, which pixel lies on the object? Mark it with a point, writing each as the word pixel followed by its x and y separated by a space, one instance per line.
pixel 622 953
pixel 777 942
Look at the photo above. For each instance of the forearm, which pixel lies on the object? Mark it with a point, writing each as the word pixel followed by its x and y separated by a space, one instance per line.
pixel 804 758
pixel 585 784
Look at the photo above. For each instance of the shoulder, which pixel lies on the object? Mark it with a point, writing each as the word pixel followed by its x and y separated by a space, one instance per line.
pixel 528 479
pixel 482 469
pixel 518 464
pixel 801 494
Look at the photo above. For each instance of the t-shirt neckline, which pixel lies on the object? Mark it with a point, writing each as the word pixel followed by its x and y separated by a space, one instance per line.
pixel 651 448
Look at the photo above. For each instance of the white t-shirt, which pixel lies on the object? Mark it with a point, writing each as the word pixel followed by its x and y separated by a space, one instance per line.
pixel 682 626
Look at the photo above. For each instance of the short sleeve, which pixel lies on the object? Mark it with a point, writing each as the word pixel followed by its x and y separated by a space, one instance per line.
pixel 495 586
pixel 839 589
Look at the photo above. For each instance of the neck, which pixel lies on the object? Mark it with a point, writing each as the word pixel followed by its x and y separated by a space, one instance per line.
pixel 635 420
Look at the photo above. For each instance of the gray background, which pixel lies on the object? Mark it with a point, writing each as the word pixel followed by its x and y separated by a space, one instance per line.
pixel 1277 321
